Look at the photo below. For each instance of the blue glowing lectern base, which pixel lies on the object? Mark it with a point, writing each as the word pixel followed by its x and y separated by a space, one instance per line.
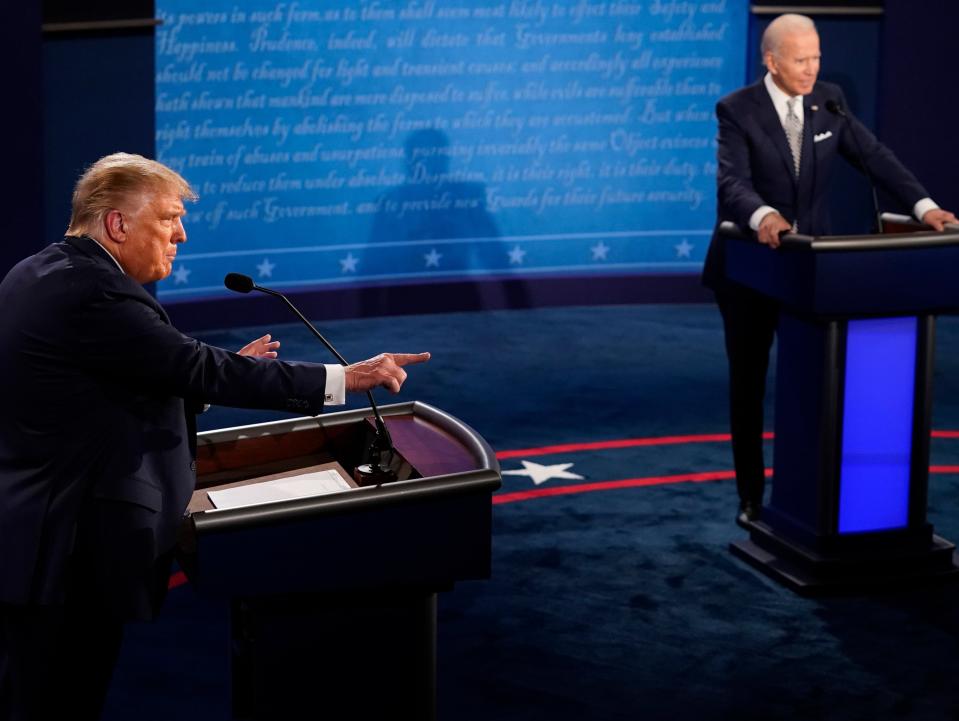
pixel 856 337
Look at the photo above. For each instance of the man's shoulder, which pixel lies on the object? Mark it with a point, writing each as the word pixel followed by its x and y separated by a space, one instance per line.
pixel 67 272
pixel 70 252
pixel 742 95
pixel 83 264
pixel 50 266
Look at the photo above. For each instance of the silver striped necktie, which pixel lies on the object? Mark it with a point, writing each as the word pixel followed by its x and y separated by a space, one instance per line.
pixel 794 136
pixel 794 132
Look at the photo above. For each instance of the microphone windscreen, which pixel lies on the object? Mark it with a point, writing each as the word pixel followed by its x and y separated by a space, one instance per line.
pixel 833 107
pixel 239 283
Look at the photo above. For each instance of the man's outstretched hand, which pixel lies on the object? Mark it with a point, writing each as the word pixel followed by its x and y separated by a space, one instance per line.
pixel 385 370
pixel 262 347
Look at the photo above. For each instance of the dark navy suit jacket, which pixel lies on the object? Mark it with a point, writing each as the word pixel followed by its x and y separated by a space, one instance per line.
pixel 756 166
pixel 97 432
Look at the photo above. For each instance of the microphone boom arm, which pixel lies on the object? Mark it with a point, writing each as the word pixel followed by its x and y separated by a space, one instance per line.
pixel 382 442
pixel 383 435
pixel 836 109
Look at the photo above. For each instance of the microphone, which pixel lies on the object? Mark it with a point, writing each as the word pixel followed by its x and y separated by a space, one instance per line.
pixel 367 473
pixel 835 107
pixel 239 283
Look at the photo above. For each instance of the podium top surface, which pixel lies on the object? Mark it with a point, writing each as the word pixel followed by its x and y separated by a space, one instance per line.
pixel 796 242
pixel 441 456
pixel 850 276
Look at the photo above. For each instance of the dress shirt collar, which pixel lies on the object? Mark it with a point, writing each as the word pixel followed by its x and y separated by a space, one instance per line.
pixel 780 98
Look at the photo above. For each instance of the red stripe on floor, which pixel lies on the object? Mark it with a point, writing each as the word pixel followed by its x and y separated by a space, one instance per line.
pixel 638 442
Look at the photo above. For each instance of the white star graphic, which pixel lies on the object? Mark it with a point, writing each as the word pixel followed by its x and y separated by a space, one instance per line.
pixel 349 263
pixel 541 474
pixel 683 249
pixel 265 268
pixel 433 258
pixel 600 250
pixel 181 275
pixel 516 255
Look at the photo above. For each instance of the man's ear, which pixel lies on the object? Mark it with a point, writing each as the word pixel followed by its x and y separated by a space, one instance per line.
pixel 114 226
pixel 769 60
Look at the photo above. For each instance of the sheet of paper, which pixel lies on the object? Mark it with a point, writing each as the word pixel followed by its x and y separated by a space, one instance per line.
pixel 317 483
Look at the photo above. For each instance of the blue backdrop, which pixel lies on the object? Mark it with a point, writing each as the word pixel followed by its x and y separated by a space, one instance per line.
pixel 461 140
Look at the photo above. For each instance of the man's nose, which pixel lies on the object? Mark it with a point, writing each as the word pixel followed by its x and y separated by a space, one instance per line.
pixel 179 232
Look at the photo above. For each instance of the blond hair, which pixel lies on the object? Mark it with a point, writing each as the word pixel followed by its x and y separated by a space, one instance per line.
pixel 114 179
pixel 782 26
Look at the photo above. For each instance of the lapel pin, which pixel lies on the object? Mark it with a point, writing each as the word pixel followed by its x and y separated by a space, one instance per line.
pixel 814 108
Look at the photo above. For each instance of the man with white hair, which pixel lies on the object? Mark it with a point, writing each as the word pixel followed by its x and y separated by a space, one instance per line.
pixel 778 141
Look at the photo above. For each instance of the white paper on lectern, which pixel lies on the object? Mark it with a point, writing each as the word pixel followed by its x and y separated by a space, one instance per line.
pixel 317 483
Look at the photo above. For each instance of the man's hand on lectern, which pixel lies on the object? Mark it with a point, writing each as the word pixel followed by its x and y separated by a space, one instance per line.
pixel 938 219
pixel 771 227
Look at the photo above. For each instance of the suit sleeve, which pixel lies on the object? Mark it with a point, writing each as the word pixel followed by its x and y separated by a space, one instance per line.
pixel 884 167
pixel 738 198
pixel 120 336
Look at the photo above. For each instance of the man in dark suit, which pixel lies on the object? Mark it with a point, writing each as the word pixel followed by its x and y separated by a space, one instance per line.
pixel 97 433
pixel 777 146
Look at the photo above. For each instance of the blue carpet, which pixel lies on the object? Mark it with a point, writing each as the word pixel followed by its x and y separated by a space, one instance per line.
pixel 615 604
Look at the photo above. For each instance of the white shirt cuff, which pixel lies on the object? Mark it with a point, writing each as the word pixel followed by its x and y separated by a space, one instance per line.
pixel 923 207
pixel 756 218
pixel 335 386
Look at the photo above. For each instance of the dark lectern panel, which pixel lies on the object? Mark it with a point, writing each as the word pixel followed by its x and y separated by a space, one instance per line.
pixel 852 275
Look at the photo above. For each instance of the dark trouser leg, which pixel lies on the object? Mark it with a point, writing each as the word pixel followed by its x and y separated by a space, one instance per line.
pixel 749 322
pixel 56 662
pixel 27 641
pixel 86 658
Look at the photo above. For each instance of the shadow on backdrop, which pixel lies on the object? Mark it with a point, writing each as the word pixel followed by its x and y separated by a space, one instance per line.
pixel 433 203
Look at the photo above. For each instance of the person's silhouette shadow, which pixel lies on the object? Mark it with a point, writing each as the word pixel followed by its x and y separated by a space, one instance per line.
pixel 432 204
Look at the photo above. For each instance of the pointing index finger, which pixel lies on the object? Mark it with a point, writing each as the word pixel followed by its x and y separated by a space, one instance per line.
pixel 404 359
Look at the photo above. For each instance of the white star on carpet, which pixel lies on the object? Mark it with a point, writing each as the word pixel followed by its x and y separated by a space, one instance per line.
pixel 600 250
pixel 684 249
pixel 540 473
pixel 265 268
pixel 516 255
pixel 181 275
pixel 433 258
pixel 349 263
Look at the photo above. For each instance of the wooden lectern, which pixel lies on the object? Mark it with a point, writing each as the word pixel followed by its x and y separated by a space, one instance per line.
pixel 853 406
pixel 333 598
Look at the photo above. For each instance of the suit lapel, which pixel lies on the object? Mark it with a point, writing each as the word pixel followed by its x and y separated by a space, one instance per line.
pixel 812 123
pixel 769 121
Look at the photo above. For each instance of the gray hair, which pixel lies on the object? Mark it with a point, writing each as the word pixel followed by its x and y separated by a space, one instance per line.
pixel 782 26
